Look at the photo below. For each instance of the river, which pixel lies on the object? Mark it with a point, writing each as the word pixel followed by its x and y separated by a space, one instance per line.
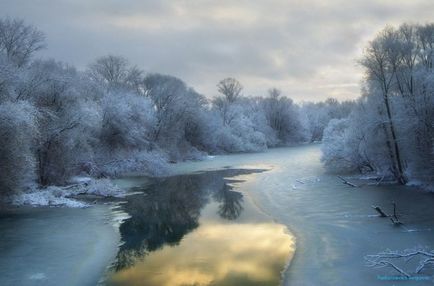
pixel 244 219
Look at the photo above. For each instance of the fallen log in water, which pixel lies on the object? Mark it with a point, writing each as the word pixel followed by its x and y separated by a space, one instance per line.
pixel 380 211
pixel 347 182
pixel 393 218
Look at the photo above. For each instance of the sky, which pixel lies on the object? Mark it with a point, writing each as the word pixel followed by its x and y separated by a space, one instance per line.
pixel 308 49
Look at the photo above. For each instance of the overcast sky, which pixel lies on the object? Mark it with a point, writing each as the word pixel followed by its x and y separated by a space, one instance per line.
pixel 308 49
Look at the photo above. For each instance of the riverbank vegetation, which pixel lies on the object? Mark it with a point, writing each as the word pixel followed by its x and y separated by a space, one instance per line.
pixel 390 131
pixel 112 119
pixel 58 123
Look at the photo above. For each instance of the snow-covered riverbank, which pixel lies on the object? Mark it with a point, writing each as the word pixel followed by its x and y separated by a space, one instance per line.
pixel 66 196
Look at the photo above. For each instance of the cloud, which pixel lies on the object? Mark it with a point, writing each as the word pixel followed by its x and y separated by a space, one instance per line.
pixel 300 47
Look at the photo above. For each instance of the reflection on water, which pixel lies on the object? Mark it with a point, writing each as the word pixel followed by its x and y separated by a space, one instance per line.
pixel 230 206
pixel 215 254
pixel 197 230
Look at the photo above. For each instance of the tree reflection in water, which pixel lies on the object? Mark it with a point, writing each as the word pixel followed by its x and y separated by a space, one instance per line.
pixel 230 206
pixel 169 208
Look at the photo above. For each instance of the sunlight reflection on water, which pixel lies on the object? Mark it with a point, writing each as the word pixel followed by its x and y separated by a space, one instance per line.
pixel 235 254
pixel 197 230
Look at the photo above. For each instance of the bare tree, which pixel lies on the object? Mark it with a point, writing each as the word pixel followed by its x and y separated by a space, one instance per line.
pixel 273 109
pixel 19 41
pixel 230 88
pixel 381 60
pixel 425 38
pixel 110 69
pixel 115 72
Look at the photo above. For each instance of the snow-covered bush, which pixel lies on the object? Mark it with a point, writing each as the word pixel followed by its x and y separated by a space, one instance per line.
pixel 335 155
pixel 127 121
pixel 65 196
pixel 316 116
pixel 126 162
pixel 18 131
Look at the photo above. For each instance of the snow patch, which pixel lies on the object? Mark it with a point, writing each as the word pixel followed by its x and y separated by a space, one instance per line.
pixel 64 196
pixel 103 188
pixel 80 180
pixel 144 163
pixel 38 276
pixel 51 196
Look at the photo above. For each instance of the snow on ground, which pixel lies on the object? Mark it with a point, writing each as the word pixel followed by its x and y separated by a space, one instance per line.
pixel 64 196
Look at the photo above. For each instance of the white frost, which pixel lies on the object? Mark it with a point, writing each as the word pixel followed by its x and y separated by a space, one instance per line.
pixel 64 196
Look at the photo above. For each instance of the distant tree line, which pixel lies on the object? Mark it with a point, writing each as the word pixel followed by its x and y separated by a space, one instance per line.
pixel 111 119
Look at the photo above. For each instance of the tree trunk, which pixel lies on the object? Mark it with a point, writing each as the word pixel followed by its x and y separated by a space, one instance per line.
pixel 42 167
pixel 400 172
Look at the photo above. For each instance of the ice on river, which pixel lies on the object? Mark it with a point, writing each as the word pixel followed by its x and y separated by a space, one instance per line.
pixel 56 246
pixel 334 224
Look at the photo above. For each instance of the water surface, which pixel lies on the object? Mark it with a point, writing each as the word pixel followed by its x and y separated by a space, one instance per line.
pixel 56 246
pixel 227 225
pixel 199 229
pixel 334 224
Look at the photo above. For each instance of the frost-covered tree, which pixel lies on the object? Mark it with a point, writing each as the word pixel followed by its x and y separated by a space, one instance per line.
pixel 125 134
pixel 9 76
pixel 64 121
pixel 381 62
pixel 283 117
pixel 115 72
pixel 233 123
pixel 230 88
pixel 179 114
pixel 18 131
pixel 127 121
pixel 391 127
pixel 316 116
pixel 18 41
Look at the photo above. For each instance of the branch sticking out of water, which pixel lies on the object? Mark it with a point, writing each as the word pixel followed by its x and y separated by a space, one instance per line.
pixel 380 211
pixel 347 182
pixel 394 218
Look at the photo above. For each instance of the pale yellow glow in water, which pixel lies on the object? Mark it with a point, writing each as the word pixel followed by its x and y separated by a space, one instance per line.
pixel 216 254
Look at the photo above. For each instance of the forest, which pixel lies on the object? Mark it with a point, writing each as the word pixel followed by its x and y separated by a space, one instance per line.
pixel 112 119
